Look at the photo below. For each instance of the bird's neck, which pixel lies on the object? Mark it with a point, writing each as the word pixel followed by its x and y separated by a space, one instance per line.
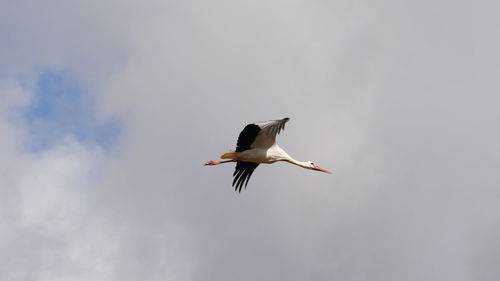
pixel 285 157
pixel 298 163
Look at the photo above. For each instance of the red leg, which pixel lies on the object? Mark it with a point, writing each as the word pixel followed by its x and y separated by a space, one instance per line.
pixel 212 162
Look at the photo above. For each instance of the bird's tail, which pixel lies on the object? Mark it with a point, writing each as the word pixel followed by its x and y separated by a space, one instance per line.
pixel 229 155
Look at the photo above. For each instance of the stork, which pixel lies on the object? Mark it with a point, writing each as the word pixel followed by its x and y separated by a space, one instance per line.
pixel 257 145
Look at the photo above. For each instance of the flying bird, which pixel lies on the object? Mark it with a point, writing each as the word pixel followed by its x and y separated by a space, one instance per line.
pixel 257 145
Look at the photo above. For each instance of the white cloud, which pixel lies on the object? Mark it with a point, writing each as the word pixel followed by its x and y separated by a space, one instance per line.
pixel 397 98
pixel 48 230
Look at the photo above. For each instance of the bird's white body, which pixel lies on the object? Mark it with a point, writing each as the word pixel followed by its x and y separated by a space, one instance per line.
pixel 257 145
pixel 264 155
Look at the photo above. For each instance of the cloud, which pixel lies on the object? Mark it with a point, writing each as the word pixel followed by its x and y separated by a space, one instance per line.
pixel 398 97
pixel 48 232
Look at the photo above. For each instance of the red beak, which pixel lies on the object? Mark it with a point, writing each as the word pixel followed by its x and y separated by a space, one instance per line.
pixel 317 168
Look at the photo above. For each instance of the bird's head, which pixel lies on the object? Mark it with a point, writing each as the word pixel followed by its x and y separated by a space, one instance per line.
pixel 312 166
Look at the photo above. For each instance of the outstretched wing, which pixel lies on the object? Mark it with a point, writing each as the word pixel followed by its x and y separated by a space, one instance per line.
pixel 268 131
pixel 242 174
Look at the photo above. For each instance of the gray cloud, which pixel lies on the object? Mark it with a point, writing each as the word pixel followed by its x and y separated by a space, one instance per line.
pixel 398 97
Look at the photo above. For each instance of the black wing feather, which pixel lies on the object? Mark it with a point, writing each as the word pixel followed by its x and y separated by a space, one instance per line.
pixel 246 137
pixel 242 174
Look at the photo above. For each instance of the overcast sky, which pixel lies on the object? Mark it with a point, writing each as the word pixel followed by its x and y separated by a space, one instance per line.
pixel 109 109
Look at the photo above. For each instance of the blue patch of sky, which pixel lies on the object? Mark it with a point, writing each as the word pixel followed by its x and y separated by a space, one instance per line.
pixel 61 108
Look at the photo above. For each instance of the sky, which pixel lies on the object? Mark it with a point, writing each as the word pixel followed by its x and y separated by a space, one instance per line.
pixel 110 108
